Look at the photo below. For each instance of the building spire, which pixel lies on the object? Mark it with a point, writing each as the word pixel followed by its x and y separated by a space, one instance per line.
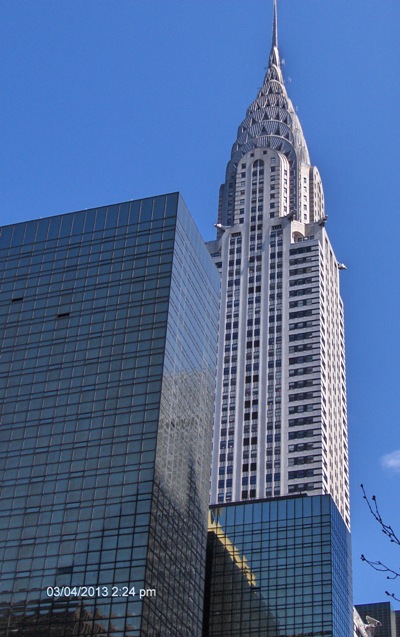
pixel 274 55
pixel 275 26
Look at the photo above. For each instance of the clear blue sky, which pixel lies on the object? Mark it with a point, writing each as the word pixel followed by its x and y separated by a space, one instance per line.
pixel 109 100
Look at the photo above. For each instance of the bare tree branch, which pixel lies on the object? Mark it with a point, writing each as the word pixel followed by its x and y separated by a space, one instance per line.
pixel 393 596
pixel 390 533
pixel 382 568
pixel 374 509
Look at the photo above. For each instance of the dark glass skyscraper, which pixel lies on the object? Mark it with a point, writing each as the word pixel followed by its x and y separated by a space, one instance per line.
pixel 278 568
pixel 383 612
pixel 107 385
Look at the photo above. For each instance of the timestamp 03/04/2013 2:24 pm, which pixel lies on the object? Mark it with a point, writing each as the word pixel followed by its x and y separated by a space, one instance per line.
pixel 99 591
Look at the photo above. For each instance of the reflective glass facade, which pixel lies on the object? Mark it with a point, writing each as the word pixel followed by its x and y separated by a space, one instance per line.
pixel 107 385
pixel 278 568
pixel 383 612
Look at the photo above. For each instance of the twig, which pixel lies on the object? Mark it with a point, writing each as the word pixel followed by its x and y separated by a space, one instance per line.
pixel 374 509
pixel 389 532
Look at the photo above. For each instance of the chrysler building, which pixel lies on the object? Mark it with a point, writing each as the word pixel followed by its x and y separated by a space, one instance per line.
pixel 280 421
